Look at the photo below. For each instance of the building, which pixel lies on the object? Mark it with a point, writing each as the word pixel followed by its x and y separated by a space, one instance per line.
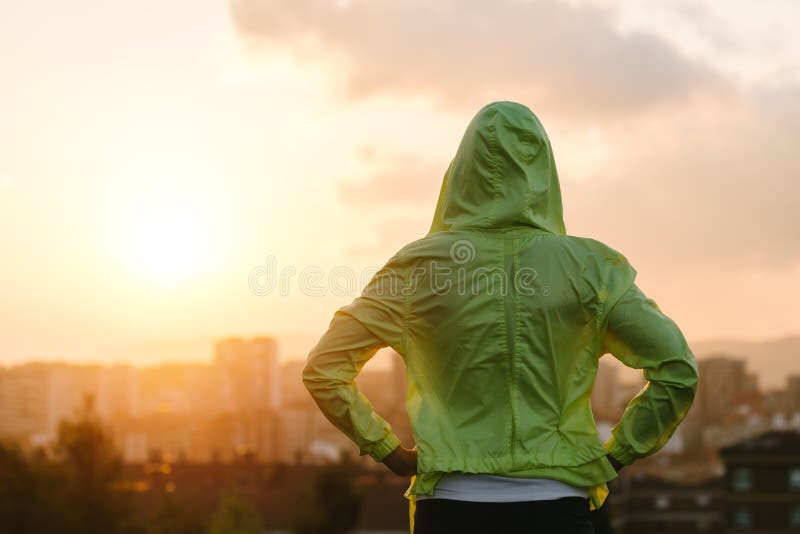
pixel 249 373
pixel 641 504
pixel 793 392
pixel 24 401
pixel 180 388
pixel 293 391
pixel 605 393
pixel 250 388
pixel 118 391
pixel 723 382
pixel 263 353
pixel 762 483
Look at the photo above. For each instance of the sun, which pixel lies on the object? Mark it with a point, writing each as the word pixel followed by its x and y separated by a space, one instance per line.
pixel 169 243
pixel 168 235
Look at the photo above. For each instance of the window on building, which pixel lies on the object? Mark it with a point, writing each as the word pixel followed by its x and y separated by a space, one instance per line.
pixel 794 478
pixel 742 517
pixel 794 517
pixel 661 502
pixel 742 479
pixel 702 499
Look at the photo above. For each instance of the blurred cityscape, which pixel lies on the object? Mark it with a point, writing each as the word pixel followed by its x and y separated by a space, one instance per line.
pixel 245 423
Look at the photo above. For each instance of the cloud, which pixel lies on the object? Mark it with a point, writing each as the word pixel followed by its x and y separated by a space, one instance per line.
pixel 711 181
pixel 562 58
pixel 390 235
pixel 403 189
pixel 700 181
pixel 399 179
pixel 702 168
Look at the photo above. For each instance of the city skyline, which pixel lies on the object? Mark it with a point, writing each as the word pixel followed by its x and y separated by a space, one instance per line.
pixel 245 400
pixel 771 361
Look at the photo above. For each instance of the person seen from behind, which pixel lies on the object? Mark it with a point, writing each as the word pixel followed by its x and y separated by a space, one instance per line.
pixel 501 318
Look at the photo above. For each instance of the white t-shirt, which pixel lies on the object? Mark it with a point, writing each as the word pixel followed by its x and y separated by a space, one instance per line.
pixel 494 488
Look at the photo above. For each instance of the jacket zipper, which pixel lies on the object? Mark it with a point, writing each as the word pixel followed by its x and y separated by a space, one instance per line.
pixel 511 334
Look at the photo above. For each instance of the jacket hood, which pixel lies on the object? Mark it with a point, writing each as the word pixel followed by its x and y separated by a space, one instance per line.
pixel 502 175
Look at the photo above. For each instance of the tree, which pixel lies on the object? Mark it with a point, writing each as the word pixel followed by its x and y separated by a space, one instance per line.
pixel 70 493
pixel 236 515
pixel 20 501
pixel 335 504
pixel 176 517
pixel 90 464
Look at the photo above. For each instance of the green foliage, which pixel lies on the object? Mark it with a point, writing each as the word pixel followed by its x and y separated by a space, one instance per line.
pixel 236 515
pixel 70 493
pixel 19 492
pixel 335 504
pixel 91 464
pixel 77 487
pixel 174 517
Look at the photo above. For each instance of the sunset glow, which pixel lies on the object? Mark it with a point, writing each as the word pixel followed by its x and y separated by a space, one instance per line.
pixel 281 265
pixel 158 164
pixel 167 236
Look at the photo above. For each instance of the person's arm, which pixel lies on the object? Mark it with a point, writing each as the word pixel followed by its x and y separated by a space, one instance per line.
pixel 329 375
pixel 642 337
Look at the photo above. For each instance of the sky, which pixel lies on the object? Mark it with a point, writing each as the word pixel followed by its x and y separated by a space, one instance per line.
pixel 176 172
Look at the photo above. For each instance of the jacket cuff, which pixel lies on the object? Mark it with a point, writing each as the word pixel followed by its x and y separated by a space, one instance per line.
pixel 385 447
pixel 623 455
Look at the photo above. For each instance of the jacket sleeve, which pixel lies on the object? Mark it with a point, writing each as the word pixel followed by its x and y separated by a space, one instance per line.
pixel 329 375
pixel 639 335
pixel 375 319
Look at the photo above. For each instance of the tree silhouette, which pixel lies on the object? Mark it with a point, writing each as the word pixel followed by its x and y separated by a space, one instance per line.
pixel 335 503
pixel 20 497
pixel 236 515
pixel 90 464
pixel 70 492
pixel 176 517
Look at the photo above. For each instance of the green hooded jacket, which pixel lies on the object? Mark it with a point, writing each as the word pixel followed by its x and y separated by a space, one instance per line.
pixel 501 318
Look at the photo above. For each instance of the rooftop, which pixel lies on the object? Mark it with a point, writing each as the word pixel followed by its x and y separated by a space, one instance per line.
pixel 785 442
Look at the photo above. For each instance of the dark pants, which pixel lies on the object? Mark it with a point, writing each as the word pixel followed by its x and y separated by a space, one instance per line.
pixel 569 515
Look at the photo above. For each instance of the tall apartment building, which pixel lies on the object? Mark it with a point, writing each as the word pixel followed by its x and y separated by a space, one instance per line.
pixel 723 381
pixel 249 373
pixel 793 392
pixel 250 388
pixel 24 401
